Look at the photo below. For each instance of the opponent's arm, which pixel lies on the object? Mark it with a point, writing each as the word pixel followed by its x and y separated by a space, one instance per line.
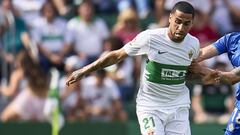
pixel 207 52
pixel 108 59
pixel 209 77
pixel 231 77
pixel 202 75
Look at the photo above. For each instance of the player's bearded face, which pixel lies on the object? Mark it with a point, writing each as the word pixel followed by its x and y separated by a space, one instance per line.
pixel 180 24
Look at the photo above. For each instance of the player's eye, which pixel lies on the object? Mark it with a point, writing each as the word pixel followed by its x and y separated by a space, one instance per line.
pixel 178 21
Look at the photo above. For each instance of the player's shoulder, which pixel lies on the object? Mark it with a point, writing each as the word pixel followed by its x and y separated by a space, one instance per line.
pixel 232 36
pixel 193 40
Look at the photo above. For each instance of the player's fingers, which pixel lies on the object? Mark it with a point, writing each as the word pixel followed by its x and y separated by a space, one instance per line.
pixel 217 80
pixel 69 81
pixel 217 76
pixel 72 81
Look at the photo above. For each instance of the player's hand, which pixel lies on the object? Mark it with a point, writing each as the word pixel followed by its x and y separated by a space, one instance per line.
pixel 212 78
pixel 74 77
pixel 195 67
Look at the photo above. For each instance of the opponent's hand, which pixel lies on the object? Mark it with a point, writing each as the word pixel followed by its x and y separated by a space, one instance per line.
pixel 212 78
pixel 195 67
pixel 74 77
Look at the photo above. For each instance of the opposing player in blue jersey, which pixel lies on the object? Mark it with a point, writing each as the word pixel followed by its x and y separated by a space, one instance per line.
pixel 229 44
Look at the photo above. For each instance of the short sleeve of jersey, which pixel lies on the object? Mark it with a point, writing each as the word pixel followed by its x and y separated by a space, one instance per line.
pixel 222 44
pixel 139 45
pixel 196 54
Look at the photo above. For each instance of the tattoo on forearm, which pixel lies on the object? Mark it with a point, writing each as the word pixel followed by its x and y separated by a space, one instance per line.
pixel 104 61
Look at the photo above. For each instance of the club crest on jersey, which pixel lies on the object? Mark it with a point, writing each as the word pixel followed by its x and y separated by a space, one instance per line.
pixel 190 54
pixel 231 127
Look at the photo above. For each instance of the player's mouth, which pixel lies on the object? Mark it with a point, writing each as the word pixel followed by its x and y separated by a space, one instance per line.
pixel 179 34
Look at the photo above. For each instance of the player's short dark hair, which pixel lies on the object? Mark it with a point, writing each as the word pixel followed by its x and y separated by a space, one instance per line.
pixel 184 7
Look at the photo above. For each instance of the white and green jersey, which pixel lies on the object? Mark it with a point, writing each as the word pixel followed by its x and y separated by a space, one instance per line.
pixel 163 80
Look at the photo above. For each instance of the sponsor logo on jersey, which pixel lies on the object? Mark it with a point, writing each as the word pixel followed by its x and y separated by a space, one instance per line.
pixel 165 74
pixel 170 73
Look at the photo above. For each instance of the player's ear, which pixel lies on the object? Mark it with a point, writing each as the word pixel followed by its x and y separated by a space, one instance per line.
pixel 170 17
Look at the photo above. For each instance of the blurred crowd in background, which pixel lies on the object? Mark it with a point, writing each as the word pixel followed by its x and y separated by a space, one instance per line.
pixel 37 35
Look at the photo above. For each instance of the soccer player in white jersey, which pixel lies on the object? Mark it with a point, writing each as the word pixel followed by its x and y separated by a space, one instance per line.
pixel 163 99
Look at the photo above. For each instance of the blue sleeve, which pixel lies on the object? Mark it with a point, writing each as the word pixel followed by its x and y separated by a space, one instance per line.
pixel 222 44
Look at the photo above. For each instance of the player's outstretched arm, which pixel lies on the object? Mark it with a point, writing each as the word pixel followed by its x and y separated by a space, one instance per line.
pixel 108 59
pixel 231 77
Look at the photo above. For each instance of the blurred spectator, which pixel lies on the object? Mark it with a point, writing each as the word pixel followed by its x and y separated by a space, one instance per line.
pixel 112 43
pixel 213 103
pixel 121 73
pixel 203 30
pixel 11 42
pixel 63 6
pixel 127 25
pixel 29 9
pixel 17 79
pixel 204 6
pixel 159 8
pixel 28 105
pixel 126 28
pixel 66 8
pixel 230 11
pixel 50 36
pixel 234 11
pixel 87 33
pixel 14 28
pixel 162 22
pixel 161 15
pixel 102 98
pixel 142 6
pixel 163 8
pixel 2 21
pixel 105 6
pixel 72 103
